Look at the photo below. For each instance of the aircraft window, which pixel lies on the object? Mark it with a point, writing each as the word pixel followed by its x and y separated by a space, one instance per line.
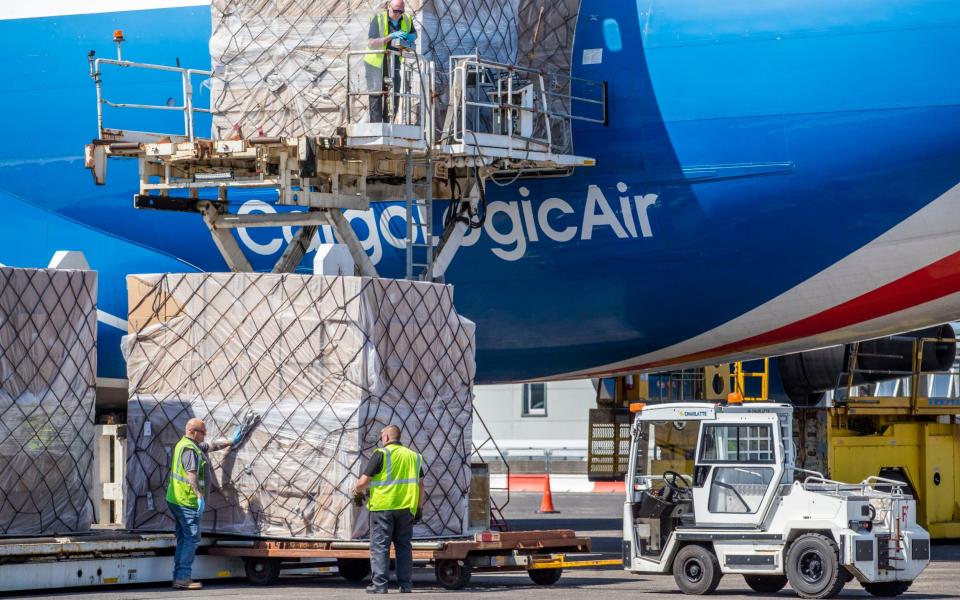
pixel 737 443
pixel 611 35
pixel 738 489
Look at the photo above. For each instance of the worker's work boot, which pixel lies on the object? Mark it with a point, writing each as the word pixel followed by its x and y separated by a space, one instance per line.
pixel 372 589
pixel 187 584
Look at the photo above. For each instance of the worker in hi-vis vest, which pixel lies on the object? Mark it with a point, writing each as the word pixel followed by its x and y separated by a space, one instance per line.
pixel 391 28
pixel 394 477
pixel 186 495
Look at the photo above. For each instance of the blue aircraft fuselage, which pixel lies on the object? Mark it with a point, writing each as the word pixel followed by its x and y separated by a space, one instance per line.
pixel 764 165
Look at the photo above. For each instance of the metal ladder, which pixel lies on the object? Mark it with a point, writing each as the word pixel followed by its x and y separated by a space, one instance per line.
pixel 419 214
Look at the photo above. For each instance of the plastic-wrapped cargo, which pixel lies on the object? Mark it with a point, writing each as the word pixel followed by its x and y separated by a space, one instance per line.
pixel 326 362
pixel 545 34
pixel 48 333
pixel 280 67
pixel 545 38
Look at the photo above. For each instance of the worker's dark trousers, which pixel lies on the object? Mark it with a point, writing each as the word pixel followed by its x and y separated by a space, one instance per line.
pixel 395 526
pixel 374 77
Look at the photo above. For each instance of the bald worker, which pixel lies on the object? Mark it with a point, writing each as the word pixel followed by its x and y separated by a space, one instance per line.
pixel 394 476
pixel 388 28
pixel 186 492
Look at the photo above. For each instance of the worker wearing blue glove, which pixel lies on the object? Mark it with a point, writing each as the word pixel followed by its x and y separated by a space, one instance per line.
pixel 187 489
pixel 393 24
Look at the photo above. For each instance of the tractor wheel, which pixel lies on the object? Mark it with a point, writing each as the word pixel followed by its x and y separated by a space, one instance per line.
pixel 765 584
pixel 696 570
pixel 545 576
pixel 886 589
pixel 813 567
pixel 353 569
pixel 452 574
pixel 262 571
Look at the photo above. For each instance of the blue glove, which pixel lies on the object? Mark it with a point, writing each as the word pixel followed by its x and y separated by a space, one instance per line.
pixel 237 436
pixel 410 37
pixel 201 506
pixel 396 35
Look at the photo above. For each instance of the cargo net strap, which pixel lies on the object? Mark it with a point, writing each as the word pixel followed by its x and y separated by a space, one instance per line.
pixel 326 362
pixel 280 68
pixel 48 321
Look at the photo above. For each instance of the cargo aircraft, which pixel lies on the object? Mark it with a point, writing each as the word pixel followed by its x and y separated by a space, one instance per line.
pixel 773 176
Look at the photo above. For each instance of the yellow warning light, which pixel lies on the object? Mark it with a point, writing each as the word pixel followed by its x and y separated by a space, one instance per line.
pixel 734 398
pixel 118 35
pixel 636 407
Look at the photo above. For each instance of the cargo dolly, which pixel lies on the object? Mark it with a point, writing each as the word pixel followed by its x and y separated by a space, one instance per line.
pixel 542 554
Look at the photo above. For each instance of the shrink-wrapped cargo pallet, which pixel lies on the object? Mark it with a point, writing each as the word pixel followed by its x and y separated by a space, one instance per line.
pixel 48 329
pixel 280 68
pixel 326 362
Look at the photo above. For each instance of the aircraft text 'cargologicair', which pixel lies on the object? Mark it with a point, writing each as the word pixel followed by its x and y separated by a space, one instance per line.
pixel 510 225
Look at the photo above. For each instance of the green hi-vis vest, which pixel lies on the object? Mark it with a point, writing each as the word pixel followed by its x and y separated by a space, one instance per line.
pixel 375 59
pixel 179 491
pixel 396 486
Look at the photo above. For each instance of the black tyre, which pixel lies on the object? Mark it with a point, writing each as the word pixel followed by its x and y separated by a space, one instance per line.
pixel 696 570
pixel 813 567
pixel 452 574
pixel 262 571
pixel 887 589
pixel 353 569
pixel 766 584
pixel 545 576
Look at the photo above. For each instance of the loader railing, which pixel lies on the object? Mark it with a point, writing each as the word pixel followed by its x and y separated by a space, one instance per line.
pixel 497 104
pixel 186 106
pixel 900 391
pixel 408 101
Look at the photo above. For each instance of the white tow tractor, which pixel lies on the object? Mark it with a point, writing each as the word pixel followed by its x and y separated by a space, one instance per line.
pixel 741 511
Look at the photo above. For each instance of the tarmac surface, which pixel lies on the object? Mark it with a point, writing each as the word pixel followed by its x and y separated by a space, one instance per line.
pixel 593 515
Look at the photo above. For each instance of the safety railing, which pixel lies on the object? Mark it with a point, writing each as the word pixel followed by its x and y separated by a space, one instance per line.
pixel 186 105
pixel 916 388
pixel 488 448
pixel 402 87
pixel 685 385
pixel 522 109
pixel 753 380
pixel 867 486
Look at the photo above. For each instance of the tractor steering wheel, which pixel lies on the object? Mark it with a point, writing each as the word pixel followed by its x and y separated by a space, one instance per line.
pixel 670 479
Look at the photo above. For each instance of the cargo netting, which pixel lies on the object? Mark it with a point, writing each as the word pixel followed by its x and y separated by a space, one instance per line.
pixel 280 67
pixel 326 362
pixel 48 332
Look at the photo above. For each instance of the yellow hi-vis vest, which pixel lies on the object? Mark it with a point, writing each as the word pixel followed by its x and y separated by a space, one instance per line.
pixel 179 491
pixel 375 59
pixel 396 486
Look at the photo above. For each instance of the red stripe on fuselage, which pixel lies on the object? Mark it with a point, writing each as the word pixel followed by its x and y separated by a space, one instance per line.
pixel 936 280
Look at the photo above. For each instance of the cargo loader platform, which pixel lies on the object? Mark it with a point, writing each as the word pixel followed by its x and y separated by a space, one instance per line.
pixel 108 558
pixel 101 558
pixel 500 120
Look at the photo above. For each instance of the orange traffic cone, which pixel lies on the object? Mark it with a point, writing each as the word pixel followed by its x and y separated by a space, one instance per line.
pixel 546 504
